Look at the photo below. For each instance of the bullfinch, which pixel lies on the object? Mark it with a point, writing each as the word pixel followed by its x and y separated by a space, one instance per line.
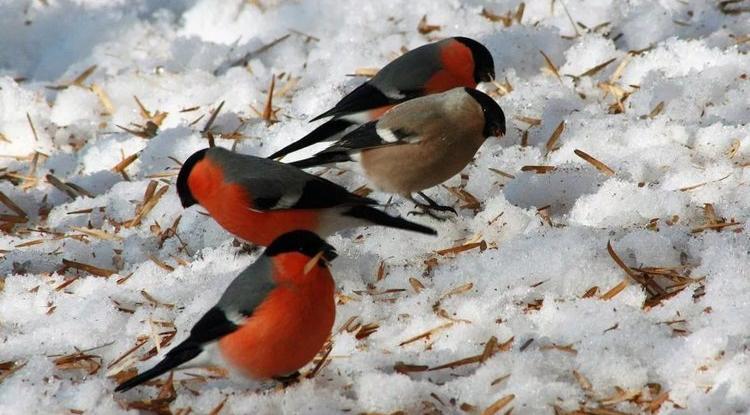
pixel 258 199
pixel 420 143
pixel 428 69
pixel 271 320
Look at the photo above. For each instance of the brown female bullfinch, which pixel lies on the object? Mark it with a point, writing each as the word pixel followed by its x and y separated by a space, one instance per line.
pixel 271 320
pixel 428 69
pixel 420 143
pixel 258 199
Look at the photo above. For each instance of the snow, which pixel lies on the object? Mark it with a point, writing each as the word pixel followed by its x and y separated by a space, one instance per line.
pixel 678 146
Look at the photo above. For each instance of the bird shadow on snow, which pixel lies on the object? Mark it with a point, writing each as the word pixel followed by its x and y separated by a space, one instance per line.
pixel 41 42
pixel 559 189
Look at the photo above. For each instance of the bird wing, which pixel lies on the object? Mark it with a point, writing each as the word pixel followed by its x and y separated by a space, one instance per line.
pixel 401 80
pixel 408 123
pixel 273 185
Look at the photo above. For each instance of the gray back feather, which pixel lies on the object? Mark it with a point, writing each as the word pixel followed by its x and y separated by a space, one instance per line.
pixel 248 290
pixel 410 70
pixel 265 179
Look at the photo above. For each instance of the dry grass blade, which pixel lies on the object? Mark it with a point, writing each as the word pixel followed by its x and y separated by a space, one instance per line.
pixel 210 122
pixel 482 245
pixel 320 361
pixel 97 233
pixel 727 7
pixel 714 226
pixel 426 334
pixel 620 263
pixel 63 187
pixel 470 201
pixel 366 330
pixel 498 405
pixel 381 271
pixel 506 19
pixel 365 72
pixel 551 66
pixel 416 285
pixel 593 71
pixel 425 28
pixel 501 173
pixel 9 368
pixel 29 243
pixel 489 350
pixel 405 368
pixel 594 162
pixel 33 129
pixel 585 384
pixel 100 93
pixel 538 169
pixel 555 136
pixel 91 269
pixel 4 199
pixel 147 206
pixel 217 409
pixel 518 16
pixel 651 287
pixel 122 165
pixel 80 79
pixel 657 110
pixel 614 290
pixel 252 54
pixel 79 360
pixel 590 292
pixel 154 301
pixel 500 379
pixel 463 288
pixel 696 186
pixel 13 219
pixel 529 120
pixel 269 115
pixel 161 264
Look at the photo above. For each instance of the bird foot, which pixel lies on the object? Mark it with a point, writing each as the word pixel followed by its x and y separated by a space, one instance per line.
pixel 427 210
pixel 430 208
pixel 288 380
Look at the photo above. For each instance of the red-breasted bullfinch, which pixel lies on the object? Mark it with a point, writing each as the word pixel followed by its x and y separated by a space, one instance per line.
pixel 420 143
pixel 428 69
pixel 271 320
pixel 258 199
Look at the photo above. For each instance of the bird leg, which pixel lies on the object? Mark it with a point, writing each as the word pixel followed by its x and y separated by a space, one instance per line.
pixel 430 207
pixel 288 380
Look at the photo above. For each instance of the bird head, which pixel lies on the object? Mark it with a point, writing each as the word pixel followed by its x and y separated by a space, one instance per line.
pixel 484 65
pixel 304 242
pixel 494 118
pixel 183 189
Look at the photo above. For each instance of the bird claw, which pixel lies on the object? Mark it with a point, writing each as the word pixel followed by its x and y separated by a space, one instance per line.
pixel 430 208
pixel 427 211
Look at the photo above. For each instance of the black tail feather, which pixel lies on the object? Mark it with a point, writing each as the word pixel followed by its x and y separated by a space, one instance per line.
pixel 379 217
pixel 324 132
pixel 321 159
pixel 177 356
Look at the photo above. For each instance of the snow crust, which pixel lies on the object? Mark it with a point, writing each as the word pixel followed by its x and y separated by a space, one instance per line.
pixel 680 140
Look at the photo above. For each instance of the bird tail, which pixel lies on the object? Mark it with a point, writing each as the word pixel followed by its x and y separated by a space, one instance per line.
pixel 379 217
pixel 323 133
pixel 177 356
pixel 321 159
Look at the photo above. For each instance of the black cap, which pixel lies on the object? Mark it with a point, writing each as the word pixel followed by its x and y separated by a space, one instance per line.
pixel 302 241
pixel 494 118
pixel 183 190
pixel 484 65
